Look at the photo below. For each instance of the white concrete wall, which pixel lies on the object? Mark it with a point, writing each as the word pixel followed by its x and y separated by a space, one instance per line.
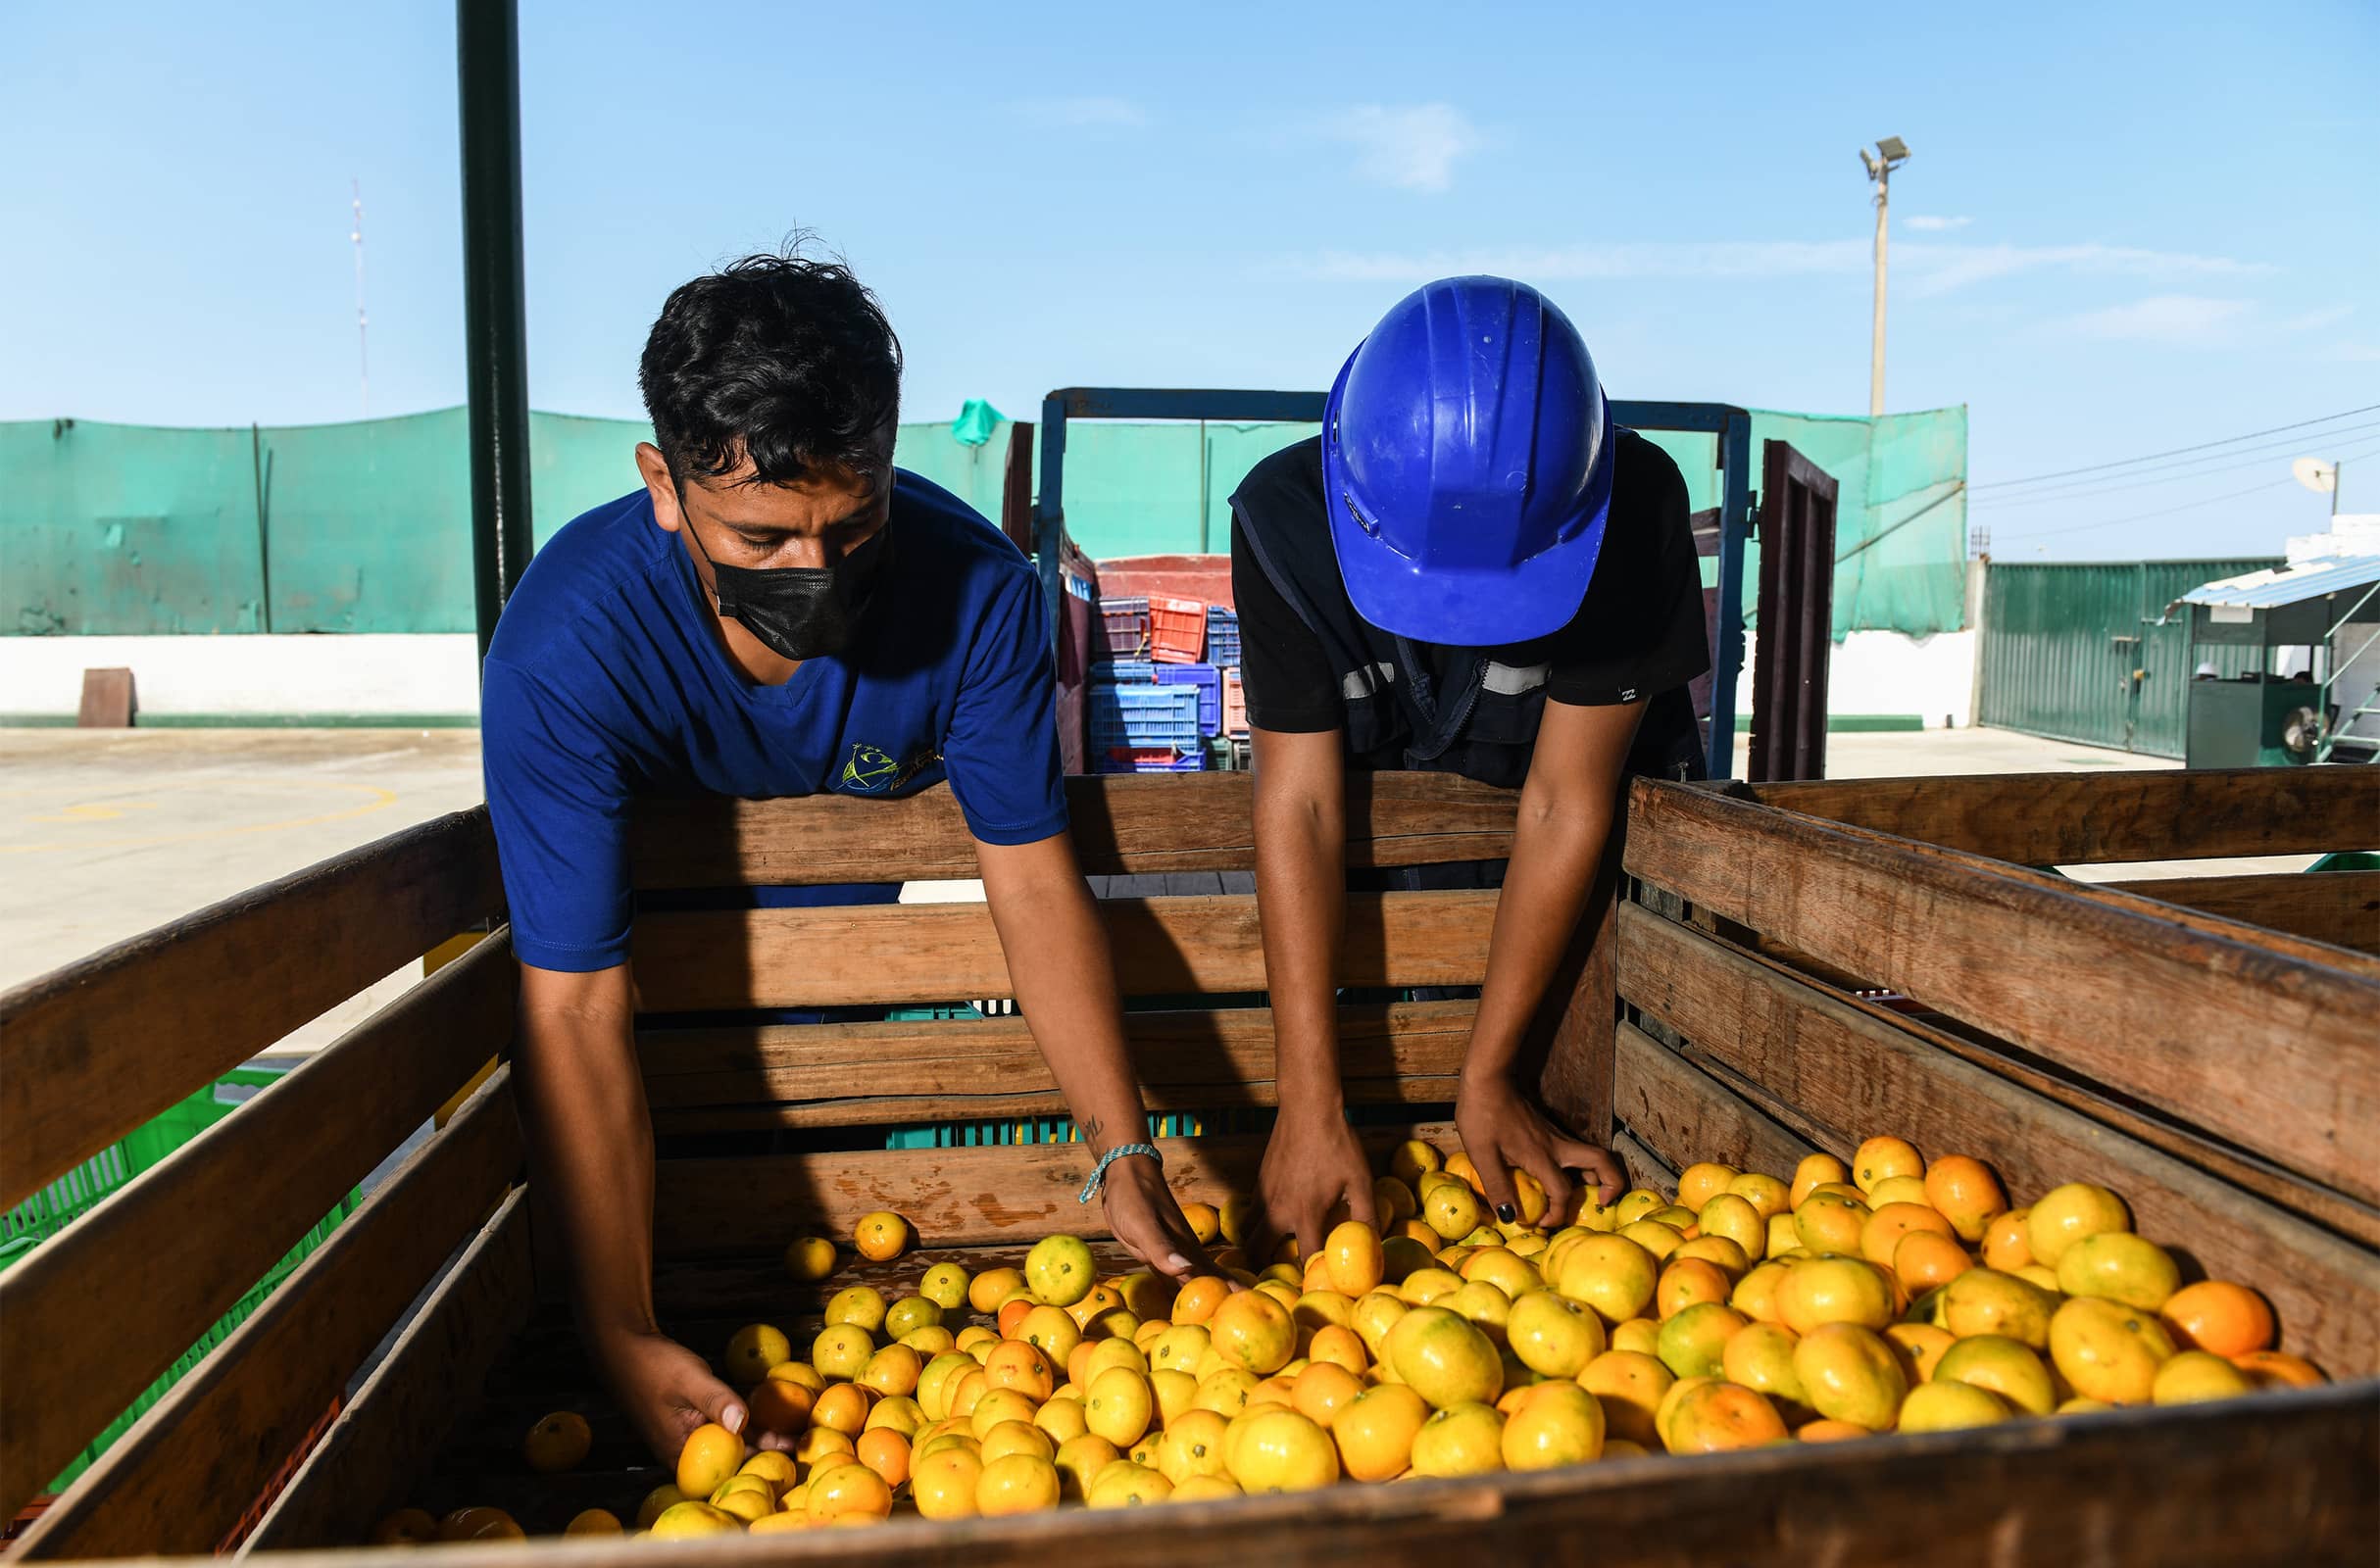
pixel 360 673
pixel 366 673
pixel 1891 672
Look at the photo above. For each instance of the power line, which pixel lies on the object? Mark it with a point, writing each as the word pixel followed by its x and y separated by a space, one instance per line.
pixel 2187 506
pixel 2126 463
pixel 2083 489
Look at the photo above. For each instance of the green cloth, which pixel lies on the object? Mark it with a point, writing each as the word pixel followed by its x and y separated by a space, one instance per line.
pixel 976 423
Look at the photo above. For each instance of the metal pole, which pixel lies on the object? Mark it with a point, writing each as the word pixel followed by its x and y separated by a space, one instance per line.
pixel 1875 359
pixel 487 55
pixel 1736 505
pixel 1050 514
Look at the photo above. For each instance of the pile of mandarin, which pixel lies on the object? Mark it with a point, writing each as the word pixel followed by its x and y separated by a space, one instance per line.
pixel 1888 1295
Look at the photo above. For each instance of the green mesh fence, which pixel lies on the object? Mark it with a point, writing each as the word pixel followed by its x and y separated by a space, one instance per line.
pixel 365 528
pixel 1145 488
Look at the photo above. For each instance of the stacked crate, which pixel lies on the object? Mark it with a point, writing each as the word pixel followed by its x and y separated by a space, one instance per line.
pixel 1158 641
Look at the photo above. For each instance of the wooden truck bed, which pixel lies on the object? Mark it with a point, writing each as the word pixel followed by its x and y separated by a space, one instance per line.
pixel 1790 967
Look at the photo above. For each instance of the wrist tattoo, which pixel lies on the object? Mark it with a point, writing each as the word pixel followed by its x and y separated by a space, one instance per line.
pixel 1091 1127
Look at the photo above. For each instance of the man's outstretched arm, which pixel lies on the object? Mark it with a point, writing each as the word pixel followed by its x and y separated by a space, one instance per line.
pixel 590 1145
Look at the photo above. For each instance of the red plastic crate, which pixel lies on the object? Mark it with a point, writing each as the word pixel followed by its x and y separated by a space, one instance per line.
pixel 1177 630
pixel 1235 703
pixel 1153 759
pixel 279 1480
pixel 1125 625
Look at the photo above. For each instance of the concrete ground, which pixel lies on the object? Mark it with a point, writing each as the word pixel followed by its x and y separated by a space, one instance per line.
pixel 106 834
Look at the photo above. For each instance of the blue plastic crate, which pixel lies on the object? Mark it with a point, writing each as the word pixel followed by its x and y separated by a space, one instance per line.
pixel 1130 671
pixel 1139 717
pixel 1222 636
pixel 1210 683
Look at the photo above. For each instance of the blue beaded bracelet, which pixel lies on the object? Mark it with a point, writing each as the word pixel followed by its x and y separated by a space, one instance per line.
pixel 1099 1172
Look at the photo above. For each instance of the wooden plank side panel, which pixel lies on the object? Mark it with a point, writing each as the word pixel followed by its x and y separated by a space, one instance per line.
pixel 394 1424
pixel 93 1051
pixel 1855 1072
pixel 2278 1476
pixel 2269 1051
pixel 174 1248
pixel 1684 1115
pixel 734 958
pixel 2098 819
pixel 868 1074
pixel 181 1479
pixel 1575 1082
pixel 951 1196
pixel 1122 824
pixel 2340 907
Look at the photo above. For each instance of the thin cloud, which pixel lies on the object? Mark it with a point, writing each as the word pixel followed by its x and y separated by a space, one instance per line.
pixel 1921 268
pixel 1553 264
pixel 1929 224
pixel 1085 113
pixel 1407 147
pixel 2315 321
pixel 2162 319
pixel 1942 268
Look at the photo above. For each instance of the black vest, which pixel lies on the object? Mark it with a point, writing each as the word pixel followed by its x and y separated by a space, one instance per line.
pixel 1416 705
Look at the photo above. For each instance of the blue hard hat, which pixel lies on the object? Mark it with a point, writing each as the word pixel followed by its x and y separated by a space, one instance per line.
pixel 1467 466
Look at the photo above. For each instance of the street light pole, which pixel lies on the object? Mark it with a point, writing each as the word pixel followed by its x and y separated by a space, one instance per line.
pixel 1890 154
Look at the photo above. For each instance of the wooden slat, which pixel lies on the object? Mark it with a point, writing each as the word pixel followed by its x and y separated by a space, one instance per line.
pixel 951 1196
pixel 1855 1072
pixel 869 1074
pixel 2098 819
pixel 429 1381
pixel 173 1251
pixel 2271 1051
pixel 1684 1115
pixel 181 1479
pixel 1641 1166
pixel 2340 907
pixel 93 1051
pixel 2273 1478
pixel 731 958
pixel 2111 896
pixel 1575 1081
pixel 1122 824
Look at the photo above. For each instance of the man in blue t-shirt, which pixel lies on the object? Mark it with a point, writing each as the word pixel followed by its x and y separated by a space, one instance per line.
pixel 777 612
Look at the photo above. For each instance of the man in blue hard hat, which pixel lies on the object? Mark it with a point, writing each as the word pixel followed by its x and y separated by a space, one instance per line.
pixel 1470 570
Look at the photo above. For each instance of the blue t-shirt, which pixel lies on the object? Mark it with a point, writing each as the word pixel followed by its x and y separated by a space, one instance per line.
pixel 606 681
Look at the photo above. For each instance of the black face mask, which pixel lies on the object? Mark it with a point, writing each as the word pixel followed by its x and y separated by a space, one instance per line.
pixel 800 613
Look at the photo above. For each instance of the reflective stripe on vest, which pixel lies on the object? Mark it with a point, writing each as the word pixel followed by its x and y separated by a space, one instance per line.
pixel 1511 680
pixel 1358 684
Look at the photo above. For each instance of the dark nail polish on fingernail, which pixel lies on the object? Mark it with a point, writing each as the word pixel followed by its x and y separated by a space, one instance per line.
pixel 1504 1213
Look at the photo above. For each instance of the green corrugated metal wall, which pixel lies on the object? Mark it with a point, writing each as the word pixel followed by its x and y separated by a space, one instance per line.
pixel 2061 642
pixel 365 528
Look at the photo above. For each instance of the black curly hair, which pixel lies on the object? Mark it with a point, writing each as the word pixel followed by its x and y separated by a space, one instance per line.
pixel 776 358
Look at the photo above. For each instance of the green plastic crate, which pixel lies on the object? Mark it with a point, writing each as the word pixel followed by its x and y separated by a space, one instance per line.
pixel 78 1191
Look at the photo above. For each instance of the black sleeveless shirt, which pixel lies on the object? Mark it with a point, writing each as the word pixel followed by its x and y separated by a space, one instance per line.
pixel 1309 662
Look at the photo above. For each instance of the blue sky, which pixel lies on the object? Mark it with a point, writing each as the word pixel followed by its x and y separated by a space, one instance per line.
pixel 2126 227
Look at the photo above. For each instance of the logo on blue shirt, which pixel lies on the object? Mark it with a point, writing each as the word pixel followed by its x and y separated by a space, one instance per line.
pixel 871 770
